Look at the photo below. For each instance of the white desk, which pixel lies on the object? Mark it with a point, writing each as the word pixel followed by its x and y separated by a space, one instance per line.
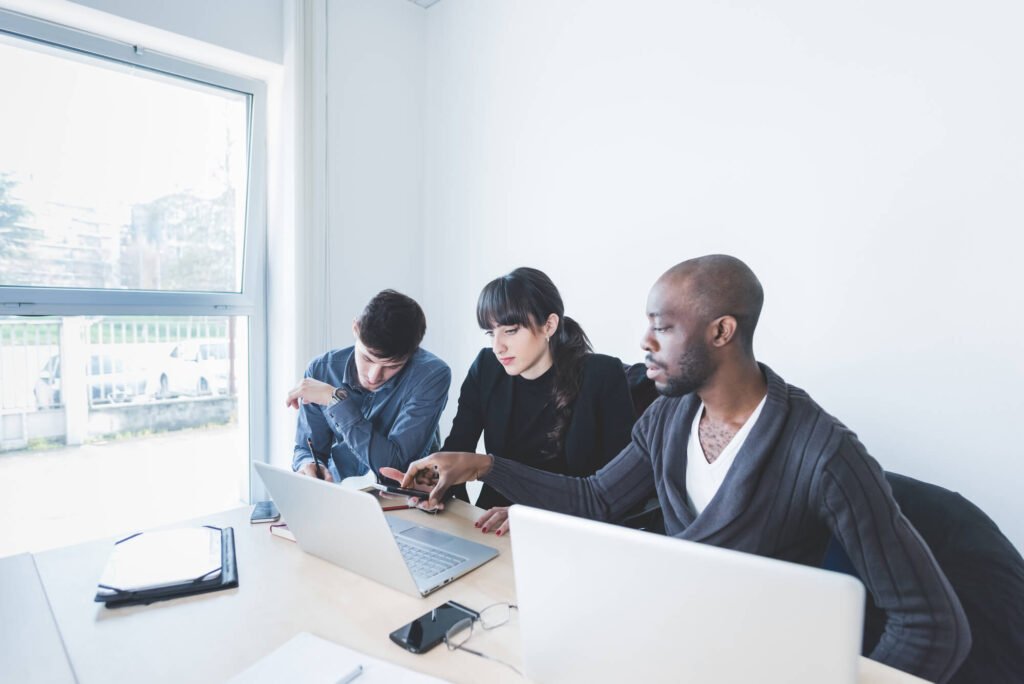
pixel 282 591
pixel 30 644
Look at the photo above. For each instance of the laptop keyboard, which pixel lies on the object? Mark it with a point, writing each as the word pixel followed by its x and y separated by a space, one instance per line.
pixel 427 562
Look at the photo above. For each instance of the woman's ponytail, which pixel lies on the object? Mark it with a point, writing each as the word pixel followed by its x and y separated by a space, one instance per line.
pixel 569 346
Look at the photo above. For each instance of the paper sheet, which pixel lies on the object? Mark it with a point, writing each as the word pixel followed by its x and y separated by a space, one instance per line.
pixel 163 559
pixel 308 659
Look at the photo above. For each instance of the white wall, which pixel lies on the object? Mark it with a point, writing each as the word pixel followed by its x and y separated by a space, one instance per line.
pixel 865 159
pixel 252 27
pixel 375 80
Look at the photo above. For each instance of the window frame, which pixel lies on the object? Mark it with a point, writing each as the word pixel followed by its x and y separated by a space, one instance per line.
pixel 251 302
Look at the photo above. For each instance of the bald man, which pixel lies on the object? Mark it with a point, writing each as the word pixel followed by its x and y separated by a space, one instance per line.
pixel 742 460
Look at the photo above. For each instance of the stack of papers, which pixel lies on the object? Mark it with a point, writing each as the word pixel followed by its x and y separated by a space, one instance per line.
pixel 163 559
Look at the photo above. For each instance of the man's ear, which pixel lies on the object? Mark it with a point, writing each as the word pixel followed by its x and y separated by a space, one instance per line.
pixel 723 330
pixel 355 328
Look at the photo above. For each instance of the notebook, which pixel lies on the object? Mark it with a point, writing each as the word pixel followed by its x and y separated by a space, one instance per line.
pixel 155 566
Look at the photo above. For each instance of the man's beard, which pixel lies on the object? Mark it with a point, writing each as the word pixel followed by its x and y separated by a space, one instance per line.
pixel 695 367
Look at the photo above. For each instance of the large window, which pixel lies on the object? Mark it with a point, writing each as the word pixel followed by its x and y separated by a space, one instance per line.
pixel 116 177
pixel 131 285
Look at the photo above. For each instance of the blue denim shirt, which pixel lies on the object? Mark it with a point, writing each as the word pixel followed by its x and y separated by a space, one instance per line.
pixel 392 426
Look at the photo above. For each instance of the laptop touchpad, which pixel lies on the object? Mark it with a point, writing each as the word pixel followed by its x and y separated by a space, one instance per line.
pixel 427 536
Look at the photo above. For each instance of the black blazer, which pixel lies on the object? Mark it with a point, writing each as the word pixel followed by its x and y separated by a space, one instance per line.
pixel 600 427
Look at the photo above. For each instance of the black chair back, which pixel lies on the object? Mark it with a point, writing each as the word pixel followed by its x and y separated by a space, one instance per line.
pixel 641 390
pixel 984 568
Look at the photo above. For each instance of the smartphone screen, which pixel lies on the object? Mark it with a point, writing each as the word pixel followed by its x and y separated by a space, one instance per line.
pixel 421 495
pixel 428 630
pixel 391 489
pixel 264 511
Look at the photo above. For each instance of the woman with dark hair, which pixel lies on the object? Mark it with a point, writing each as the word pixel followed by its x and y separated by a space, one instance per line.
pixel 539 394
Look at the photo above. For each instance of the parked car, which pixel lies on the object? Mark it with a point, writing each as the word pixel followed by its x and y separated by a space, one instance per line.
pixel 47 387
pixel 195 369
pixel 110 379
pixel 114 379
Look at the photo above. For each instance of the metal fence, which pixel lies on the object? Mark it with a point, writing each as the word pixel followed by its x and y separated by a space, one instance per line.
pixel 25 349
pixel 127 359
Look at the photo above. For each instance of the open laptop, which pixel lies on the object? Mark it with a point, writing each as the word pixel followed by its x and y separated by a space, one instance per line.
pixel 348 528
pixel 604 603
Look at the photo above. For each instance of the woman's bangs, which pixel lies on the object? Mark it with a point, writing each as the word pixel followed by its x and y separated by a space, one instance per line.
pixel 498 305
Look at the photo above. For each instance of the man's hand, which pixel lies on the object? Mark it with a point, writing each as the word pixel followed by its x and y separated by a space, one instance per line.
pixel 310 391
pixel 309 470
pixel 420 502
pixel 495 519
pixel 397 475
pixel 440 471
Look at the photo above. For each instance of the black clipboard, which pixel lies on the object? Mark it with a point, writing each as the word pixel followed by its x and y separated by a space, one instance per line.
pixel 224 577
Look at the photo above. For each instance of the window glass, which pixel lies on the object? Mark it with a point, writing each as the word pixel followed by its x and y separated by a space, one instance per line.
pixel 131 183
pixel 116 177
pixel 103 431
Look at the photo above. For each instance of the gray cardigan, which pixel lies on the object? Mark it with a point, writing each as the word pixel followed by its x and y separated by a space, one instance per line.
pixel 800 477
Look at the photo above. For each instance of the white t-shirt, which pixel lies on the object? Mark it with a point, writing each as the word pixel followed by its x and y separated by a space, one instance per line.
pixel 702 478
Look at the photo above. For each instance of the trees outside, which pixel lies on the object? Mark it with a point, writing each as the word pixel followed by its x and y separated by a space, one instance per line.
pixel 176 242
pixel 181 242
pixel 15 237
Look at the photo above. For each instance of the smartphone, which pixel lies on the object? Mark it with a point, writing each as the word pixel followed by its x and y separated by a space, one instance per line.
pixel 264 511
pixel 391 489
pixel 428 630
pixel 421 495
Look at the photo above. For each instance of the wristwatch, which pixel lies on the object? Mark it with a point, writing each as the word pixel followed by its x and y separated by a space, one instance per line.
pixel 340 394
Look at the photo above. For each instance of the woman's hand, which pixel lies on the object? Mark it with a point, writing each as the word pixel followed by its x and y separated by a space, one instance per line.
pixel 494 519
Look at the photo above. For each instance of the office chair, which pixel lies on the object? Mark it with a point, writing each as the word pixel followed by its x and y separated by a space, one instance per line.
pixel 984 568
pixel 647 516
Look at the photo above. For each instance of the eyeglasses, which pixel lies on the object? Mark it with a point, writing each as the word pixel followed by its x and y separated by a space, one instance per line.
pixel 494 615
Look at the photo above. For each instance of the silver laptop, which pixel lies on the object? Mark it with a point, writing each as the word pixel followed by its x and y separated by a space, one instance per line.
pixel 348 528
pixel 601 603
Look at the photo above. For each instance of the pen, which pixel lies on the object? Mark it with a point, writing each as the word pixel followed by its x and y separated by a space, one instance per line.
pixel 316 459
pixel 351 675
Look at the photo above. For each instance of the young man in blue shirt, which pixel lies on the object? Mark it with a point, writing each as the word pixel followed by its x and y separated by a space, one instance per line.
pixel 373 404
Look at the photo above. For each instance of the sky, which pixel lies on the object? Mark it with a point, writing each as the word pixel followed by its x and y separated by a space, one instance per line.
pixel 89 132
pixel 89 138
